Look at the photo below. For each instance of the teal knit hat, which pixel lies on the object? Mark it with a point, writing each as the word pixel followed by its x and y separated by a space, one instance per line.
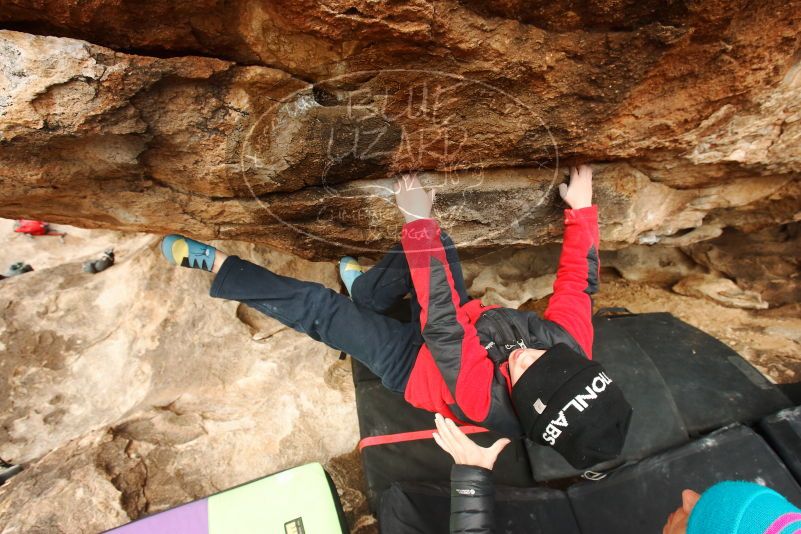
pixel 743 508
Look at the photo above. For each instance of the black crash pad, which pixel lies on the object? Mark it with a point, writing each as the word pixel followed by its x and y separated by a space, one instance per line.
pixel 419 508
pixel 638 498
pixel 792 391
pixel 783 432
pixel 711 384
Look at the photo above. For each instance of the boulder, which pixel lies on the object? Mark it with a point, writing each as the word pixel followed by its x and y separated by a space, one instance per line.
pixel 131 390
pixel 766 261
pixel 721 290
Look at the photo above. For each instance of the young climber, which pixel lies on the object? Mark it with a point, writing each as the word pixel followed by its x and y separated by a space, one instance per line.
pixel 506 370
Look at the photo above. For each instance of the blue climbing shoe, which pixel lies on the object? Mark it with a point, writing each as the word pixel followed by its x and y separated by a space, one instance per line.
pixel 187 252
pixel 349 270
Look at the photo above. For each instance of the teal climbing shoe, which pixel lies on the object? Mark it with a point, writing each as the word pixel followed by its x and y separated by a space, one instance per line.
pixel 349 270
pixel 187 252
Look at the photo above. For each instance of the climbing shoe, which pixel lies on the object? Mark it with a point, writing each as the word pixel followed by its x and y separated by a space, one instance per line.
pixel 187 252
pixel 18 268
pixel 349 270
pixel 97 266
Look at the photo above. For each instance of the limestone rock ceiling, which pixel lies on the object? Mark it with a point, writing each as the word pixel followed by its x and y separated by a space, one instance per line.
pixel 283 122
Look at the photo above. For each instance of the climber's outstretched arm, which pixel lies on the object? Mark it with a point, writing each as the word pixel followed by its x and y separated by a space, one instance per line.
pixel 577 276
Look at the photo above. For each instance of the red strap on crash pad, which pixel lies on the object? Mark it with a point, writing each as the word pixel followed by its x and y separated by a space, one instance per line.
pixel 411 436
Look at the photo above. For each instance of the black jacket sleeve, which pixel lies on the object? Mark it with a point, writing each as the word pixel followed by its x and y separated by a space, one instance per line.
pixel 472 500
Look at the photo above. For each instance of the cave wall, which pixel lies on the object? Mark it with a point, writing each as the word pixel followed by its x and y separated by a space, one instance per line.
pixel 282 123
pixel 131 391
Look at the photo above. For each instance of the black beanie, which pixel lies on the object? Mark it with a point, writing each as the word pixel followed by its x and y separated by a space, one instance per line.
pixel 569 403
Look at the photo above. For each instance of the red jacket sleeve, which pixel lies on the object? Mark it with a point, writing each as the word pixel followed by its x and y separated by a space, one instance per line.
pixel 451 338
pixel 577 277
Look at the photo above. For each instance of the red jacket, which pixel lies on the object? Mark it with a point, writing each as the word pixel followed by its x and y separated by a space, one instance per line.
pixel 461 370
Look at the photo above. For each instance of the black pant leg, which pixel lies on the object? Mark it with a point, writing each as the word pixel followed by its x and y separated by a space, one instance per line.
pixel 382 286
pixel 386 346
pixel 389 280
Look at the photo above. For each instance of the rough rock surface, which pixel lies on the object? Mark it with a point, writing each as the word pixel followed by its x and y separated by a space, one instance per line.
pixel 766 261
pixel 134 391
pixel 721 290
pixel 287 135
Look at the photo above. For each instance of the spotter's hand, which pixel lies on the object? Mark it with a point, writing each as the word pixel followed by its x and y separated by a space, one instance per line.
pixel 464 450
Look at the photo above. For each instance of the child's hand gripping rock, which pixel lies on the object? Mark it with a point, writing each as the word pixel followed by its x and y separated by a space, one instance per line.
pixel 579 193
pixel 412 199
